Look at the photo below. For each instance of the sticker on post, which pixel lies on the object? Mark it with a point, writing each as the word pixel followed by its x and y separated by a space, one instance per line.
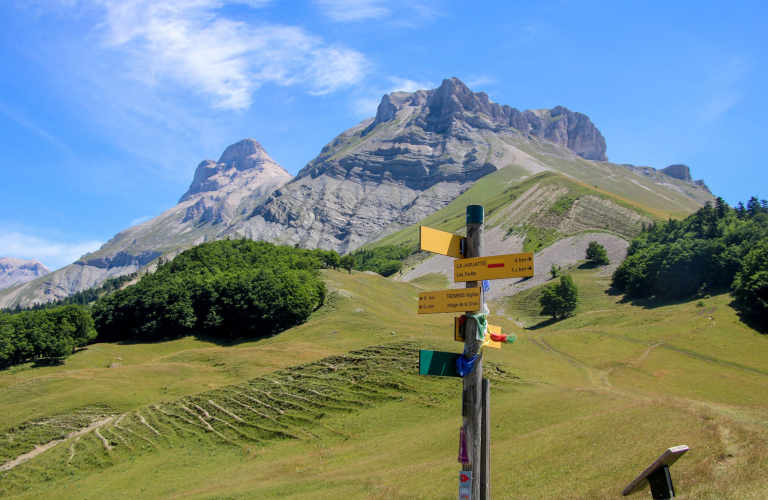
pixel 463 457
pixel 465 485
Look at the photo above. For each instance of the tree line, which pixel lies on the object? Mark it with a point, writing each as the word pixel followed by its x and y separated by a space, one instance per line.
pixel 49 333
pixel 717 246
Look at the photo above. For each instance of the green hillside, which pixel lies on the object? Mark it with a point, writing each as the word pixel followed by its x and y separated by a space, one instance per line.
pixel 579 407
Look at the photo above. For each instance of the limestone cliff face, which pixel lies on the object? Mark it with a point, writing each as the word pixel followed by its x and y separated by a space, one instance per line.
pixel 15 271
pixel 421 150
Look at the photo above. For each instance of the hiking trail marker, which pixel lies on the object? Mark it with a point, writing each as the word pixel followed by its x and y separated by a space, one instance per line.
pixel 432 240
pixel 451 301
pixel 470 267
pixel 516 265
pixel 657 475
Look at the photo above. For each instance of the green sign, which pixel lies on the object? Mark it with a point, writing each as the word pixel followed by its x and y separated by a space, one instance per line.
pixel 442 364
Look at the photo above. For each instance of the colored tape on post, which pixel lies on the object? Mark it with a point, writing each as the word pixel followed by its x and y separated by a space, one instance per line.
pixel 475 214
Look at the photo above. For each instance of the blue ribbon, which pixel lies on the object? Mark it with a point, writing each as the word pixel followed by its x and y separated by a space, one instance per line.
pixel 464 366
pixel 486 286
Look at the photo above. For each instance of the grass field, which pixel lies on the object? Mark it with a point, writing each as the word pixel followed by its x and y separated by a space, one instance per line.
pixel 579 406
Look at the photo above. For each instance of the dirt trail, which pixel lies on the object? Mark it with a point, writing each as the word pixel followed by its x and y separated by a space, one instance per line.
pixel 47 446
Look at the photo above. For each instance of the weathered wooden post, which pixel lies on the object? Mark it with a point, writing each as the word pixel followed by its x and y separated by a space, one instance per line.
pixel 485 462
pixel 472 410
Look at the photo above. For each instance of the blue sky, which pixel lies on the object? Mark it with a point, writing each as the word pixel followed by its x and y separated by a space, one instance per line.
pixel 107 106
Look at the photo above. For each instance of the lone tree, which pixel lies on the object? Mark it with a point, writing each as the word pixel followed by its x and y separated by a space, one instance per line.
pixel 559 299
pixel 347 262
pixel 597 255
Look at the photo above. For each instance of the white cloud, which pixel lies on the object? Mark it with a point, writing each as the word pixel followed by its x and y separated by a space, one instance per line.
pixel 54 254
pixel 136 222
pixel 365 106
pixel 193 44
pixel 352 10
pixel 722 89
pixel 479 81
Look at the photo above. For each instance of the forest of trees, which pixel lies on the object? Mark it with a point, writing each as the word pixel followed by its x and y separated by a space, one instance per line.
pixel 385 260
pixel 717 246
pixel 50 333
pixel 230 288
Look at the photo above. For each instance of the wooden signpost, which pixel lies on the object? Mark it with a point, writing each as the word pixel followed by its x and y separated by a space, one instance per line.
pixel 450 301
pixel 458 333
pixel 470 267
pixel 516 265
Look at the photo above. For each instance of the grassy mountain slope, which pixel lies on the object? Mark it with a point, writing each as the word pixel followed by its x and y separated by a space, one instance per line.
pixel 578 407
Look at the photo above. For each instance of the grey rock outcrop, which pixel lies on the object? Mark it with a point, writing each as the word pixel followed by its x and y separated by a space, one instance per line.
pixel 15 271
pixel 678 171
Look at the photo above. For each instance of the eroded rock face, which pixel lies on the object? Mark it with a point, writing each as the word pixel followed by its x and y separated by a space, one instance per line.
pixel 678 171
pixel 421 150
pixel 15 271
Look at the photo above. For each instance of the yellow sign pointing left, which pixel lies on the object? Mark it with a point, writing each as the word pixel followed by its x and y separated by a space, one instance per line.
pixel 441 242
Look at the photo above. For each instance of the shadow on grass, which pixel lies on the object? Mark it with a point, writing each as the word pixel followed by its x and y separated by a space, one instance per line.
pixel 545 323
pixel 750 317
pixel 47 362
pixel 654 302
pixel 218 341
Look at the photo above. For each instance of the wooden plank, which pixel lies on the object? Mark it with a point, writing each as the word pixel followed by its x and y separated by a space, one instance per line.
pixel 438 363
pixel 516 265
pixel 450 301
pixel 432 240
pixel 667 458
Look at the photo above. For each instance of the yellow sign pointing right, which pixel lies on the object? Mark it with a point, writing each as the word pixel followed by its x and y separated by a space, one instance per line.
pixel 495 267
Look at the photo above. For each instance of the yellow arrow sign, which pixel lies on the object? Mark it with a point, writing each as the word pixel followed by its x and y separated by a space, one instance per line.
pixel 451 301
pixel 441 242
pixel 458 333
pixel 516 265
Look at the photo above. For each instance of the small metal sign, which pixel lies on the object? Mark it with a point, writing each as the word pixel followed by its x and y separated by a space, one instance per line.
pixel 495 267
pixel 441 242
pixel 447 301
pixel 441 364
pixel 465 485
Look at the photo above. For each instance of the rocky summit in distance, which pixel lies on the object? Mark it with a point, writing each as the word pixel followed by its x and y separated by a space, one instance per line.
pixel 421 151
pixel 15 271
pixel 222 194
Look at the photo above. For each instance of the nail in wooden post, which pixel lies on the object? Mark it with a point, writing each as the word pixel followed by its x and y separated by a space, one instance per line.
pixel 473 381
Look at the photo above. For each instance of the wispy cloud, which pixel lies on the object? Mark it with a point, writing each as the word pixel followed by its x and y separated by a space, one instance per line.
pixel 365 106
pixel 352 10
pixel 29 125
pixel 193 44
pixel 54 254
pixel 136 222
pixel 722 90
pixel 479 81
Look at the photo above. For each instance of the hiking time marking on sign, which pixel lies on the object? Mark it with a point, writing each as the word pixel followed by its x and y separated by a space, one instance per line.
pixel 516 265
pixel 441 242
pixel 451 301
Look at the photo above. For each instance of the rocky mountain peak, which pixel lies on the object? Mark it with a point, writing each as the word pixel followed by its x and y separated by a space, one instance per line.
pixel 245 160
pixel 238 153
pixel 453 108
pixel 15 271
pixel 678 171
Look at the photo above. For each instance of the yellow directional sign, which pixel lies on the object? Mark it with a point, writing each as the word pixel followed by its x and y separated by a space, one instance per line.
pixel 450 301
pixel 516 265
pixel 458 333
pixel 441 242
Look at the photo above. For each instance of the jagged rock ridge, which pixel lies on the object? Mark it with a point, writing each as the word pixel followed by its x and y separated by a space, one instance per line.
pixel 15 271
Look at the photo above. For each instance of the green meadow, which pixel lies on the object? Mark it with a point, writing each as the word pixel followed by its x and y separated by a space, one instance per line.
pixel 335 408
